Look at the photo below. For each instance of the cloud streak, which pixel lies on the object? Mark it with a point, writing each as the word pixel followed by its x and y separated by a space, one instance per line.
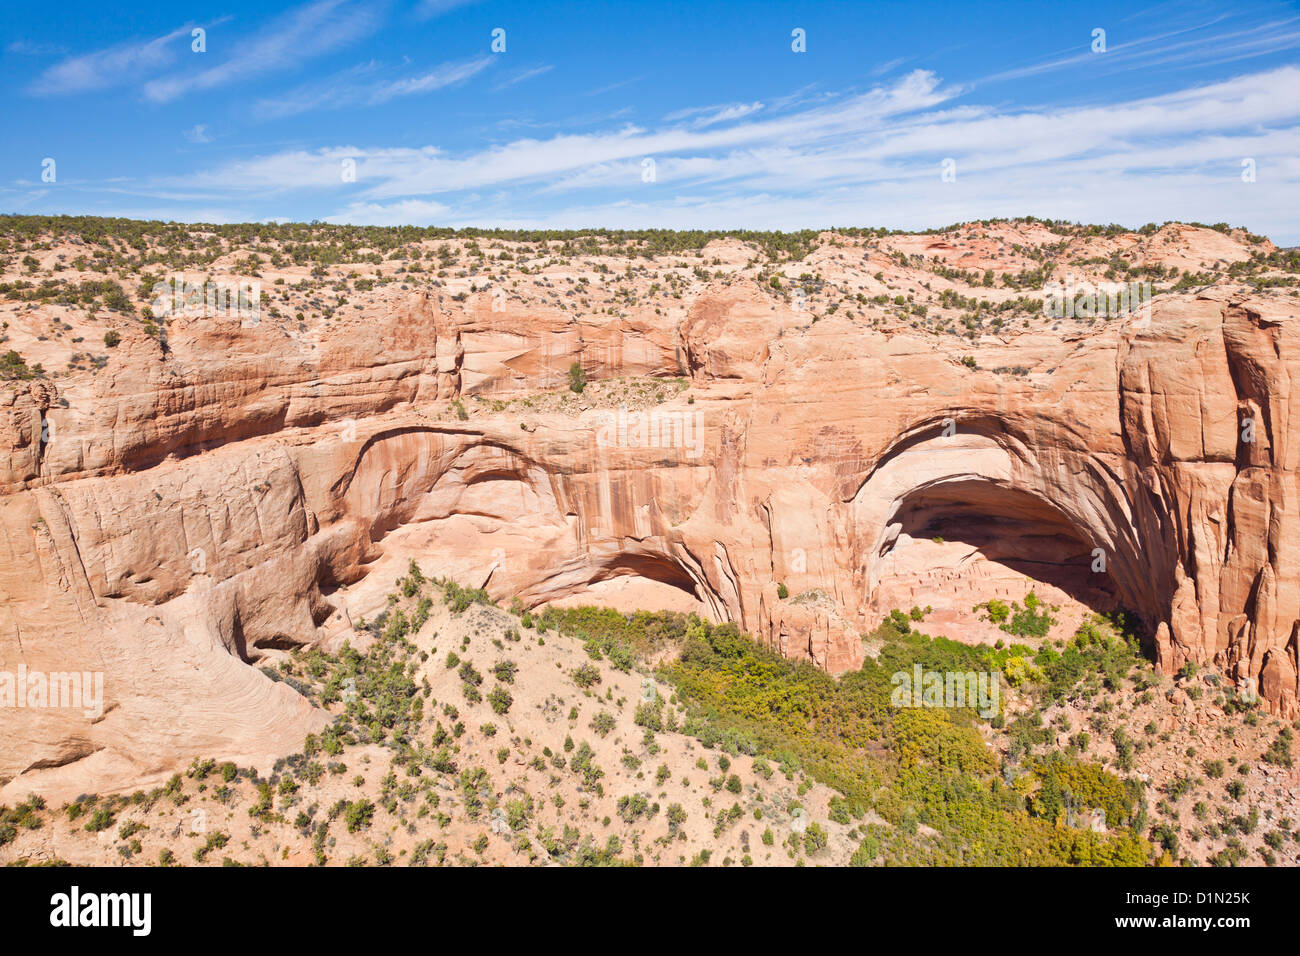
pixel 166 68
pixel 871 157
pixel 523 77
pixel 118 65
pixel 302 34
pixel 363 86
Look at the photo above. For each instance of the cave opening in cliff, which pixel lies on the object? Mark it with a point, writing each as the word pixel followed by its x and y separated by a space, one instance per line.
pixel 644 582
pixel 956 544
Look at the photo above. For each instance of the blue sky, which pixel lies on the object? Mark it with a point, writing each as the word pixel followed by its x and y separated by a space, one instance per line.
pixel 561 128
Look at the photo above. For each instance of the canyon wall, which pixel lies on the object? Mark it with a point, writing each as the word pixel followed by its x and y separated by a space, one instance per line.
pixel 174 519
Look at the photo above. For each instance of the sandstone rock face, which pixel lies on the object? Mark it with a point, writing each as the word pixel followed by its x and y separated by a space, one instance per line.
pixel 196 512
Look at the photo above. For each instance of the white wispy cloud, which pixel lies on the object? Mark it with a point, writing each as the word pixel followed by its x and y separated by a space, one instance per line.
pixel 427 9
pixel 119 65
pixel 524 77
pixel 365 85
pixel 448 74
pixel 32 48
pixel 415 212
pixel 299 35
pixel 399 172
pixel 882 68
pixel 344 88
pixel 708 115
pixel 616 85
pixel 1197 44
pixel 166 67
pixel 870 157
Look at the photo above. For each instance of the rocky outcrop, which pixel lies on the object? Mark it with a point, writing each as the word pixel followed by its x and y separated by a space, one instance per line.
pixel 194 513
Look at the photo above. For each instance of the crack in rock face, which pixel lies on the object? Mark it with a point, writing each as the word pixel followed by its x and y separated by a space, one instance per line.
pixel 254 490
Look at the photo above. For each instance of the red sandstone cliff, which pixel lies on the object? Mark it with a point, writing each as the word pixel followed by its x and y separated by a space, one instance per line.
pixel 198 507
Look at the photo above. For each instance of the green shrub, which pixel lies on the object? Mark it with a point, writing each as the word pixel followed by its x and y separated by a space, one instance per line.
pixel 215 841
pixel 998 611
pixel 577 378
pixel 101 819
pixel 358 815
pixel 1279 752
pixel 13 367
pixel 500 699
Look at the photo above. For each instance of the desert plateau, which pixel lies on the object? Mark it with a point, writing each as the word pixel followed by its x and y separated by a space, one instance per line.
pixel 482 546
